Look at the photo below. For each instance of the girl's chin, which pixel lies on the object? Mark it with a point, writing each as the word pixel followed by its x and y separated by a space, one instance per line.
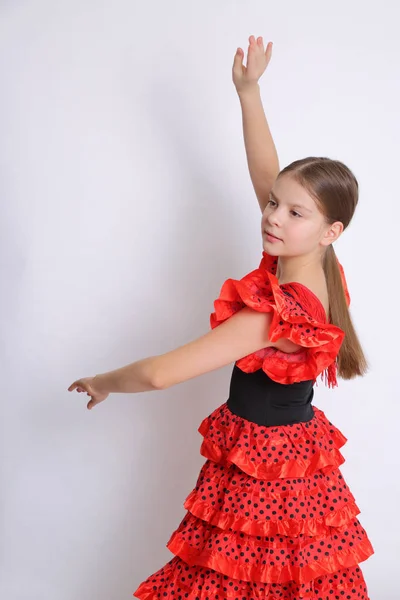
pixel 271 248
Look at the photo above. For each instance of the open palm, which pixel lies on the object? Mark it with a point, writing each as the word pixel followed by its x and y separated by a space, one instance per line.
pixel 257 61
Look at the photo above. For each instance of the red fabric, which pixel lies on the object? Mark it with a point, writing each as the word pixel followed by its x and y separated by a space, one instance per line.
pixel 271 516
pixel 266 453
pixel 297 314
pixel 183 582
pixel 290 527
pixel 269 263
pixel 201 544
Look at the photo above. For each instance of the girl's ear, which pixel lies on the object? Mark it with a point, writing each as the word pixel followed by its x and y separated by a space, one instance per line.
pixel 332 233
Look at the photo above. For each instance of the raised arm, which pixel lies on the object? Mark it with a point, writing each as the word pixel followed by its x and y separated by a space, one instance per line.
pixel 262 157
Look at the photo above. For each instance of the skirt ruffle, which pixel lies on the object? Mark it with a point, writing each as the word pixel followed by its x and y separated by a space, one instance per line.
pixel 231 499
pixel 272 452
pixel 179 581
pixel 270 517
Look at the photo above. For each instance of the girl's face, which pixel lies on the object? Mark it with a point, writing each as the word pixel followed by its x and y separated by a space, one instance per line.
pixel 292 224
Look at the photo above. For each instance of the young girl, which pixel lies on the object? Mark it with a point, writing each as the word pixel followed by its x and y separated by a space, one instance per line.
pixel 271 516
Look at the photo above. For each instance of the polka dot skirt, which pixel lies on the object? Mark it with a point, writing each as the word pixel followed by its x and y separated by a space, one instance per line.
pixel 270 518
pixel 179 581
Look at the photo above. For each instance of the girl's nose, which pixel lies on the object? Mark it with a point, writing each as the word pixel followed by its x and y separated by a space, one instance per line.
pixel 274 219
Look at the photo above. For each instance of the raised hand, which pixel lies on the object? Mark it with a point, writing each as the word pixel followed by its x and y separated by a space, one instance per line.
pixel 258 58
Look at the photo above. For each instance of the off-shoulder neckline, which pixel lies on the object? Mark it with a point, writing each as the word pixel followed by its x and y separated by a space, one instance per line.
pixel 311 293
pixel 271 267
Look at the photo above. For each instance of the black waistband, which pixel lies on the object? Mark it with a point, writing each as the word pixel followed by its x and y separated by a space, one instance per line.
pixel 257 398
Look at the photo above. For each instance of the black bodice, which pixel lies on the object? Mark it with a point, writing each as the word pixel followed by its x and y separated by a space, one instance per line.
pixel 257 398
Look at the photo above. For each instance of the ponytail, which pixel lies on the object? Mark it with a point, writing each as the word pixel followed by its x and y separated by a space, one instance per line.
pixel 351 360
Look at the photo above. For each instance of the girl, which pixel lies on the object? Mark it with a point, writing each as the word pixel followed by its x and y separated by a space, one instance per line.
pixel 271 516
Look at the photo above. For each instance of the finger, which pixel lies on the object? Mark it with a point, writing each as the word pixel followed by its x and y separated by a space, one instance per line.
pixel 260 41
pixel 238 60
pixel 253 47
pixel 73 386
pixel 249 52
pixel 268 50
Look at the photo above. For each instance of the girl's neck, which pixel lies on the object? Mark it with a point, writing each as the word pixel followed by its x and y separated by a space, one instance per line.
pixel 298 268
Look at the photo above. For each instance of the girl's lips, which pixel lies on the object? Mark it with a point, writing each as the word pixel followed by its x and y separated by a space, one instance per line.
pixel 272 238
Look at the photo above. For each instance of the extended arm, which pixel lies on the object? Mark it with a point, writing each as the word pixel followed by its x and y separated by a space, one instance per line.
pixel 242 334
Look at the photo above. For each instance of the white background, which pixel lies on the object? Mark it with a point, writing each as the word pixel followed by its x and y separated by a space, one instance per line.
pixel 125 203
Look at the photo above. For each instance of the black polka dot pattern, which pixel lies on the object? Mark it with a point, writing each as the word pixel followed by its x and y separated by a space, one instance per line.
pixel 269 452
pixel 231 499
pixel 247 537
pixel 270 516
pixel 274 558
pixel 296 314
pixel 178 581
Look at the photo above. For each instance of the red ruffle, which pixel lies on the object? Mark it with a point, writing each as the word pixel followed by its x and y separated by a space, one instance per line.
pixel 231 499
pixel 269 263
pixel 303 543
pixel 296 450
pixel 178 580
pixel 290 527
pixel 270 517
pixel 297 315
pixel 271 559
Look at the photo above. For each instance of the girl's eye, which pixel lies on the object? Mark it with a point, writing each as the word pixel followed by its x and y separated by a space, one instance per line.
pixel 272 203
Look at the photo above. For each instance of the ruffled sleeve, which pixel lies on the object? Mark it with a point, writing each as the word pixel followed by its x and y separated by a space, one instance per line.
pixel 297 315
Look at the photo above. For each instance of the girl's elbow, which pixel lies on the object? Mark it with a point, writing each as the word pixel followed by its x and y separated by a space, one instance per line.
pixel 158 381
pixel 165 379
pixel 160 384
pixel 152 373
pixel 162 376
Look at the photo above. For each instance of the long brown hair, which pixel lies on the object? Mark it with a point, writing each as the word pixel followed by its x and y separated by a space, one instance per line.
pixel 335 189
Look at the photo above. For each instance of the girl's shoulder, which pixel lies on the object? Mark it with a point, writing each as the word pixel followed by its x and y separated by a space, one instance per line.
pixel 310 299
pixel 299 292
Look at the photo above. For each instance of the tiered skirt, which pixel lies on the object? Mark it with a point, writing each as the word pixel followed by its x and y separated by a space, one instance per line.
pixel 270 518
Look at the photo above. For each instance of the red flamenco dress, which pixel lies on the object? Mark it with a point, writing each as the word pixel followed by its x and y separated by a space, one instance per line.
pixel 271 517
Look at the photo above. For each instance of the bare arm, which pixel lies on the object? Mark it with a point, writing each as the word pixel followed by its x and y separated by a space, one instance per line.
pixel 242 334
pixel 262 157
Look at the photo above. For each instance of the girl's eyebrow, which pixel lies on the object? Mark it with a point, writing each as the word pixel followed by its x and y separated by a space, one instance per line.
pixel 294 205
